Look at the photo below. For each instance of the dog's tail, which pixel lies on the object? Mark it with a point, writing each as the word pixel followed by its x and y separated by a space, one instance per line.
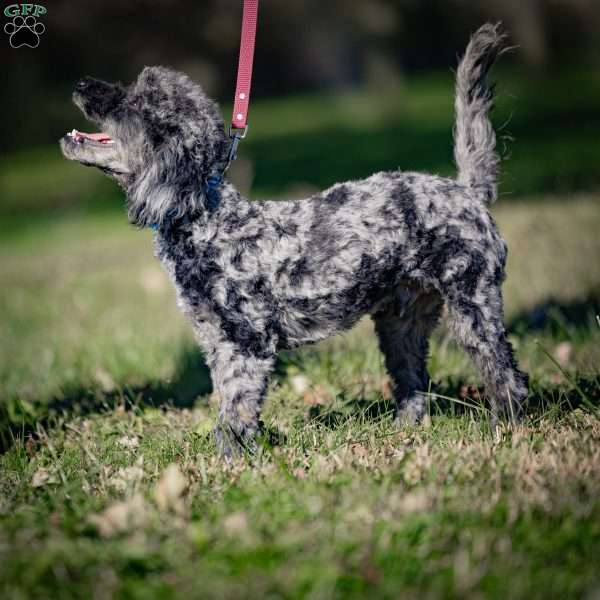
pixel 474 136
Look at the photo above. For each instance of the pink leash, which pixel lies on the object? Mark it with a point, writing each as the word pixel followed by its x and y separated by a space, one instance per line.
pixel 239 120
pixel 244 76
pixel 241 103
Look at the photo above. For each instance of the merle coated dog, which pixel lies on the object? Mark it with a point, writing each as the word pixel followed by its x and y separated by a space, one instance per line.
pixel 257 277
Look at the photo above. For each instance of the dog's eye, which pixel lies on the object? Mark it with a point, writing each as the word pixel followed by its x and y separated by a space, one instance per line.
pixel 138 104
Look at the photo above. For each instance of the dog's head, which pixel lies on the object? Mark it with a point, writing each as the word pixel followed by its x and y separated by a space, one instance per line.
pixel 160 138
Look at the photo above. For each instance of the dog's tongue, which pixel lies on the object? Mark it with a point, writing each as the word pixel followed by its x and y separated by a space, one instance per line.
pixel 98 137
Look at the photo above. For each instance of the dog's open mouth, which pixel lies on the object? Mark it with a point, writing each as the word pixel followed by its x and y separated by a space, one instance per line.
pixel 81 137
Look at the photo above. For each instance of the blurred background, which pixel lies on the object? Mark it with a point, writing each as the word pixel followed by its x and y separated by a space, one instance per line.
pixel 341 89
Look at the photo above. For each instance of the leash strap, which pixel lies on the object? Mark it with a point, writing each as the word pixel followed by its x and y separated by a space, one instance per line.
pixel 241 103
pixel 244 77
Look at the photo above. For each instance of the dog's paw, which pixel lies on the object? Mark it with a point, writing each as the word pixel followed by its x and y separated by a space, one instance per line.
pixel 411 411
pixel 509 411
pixel 232 444
pixel 407 418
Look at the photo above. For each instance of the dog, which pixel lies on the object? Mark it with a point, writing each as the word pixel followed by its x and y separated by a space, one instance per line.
pixel 254 278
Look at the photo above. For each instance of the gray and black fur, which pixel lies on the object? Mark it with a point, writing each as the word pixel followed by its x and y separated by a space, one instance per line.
pixel 257 277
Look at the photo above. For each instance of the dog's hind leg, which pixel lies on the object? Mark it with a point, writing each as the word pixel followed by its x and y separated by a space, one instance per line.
pixel 241 382
pixel 403 332
pixel 478 328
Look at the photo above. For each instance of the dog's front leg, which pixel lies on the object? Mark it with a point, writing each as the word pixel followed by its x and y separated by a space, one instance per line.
pixel 241 380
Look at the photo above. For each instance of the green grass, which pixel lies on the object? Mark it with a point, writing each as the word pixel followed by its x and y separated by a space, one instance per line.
pixel 102 389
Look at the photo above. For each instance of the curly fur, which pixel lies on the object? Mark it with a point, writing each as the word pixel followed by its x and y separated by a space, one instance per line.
pixel 254 278
pixel 474 137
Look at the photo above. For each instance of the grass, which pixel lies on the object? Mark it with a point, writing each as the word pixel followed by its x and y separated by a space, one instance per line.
pixel 110 486
pixel 102 389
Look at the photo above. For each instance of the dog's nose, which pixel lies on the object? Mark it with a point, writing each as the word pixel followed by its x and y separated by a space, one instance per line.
pixel 82 84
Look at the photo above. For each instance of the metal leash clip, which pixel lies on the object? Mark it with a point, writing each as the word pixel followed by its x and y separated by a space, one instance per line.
pixel 235 137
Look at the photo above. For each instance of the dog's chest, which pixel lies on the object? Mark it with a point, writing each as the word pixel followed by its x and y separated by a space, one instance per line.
pixel 192 269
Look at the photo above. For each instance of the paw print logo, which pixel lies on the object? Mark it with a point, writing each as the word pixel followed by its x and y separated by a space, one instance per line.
pixel 24 31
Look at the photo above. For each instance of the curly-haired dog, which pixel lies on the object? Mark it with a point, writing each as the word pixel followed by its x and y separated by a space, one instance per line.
pixel 257 277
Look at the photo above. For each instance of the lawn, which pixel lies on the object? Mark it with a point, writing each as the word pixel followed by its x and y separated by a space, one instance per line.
pixel 104 391
pixel 110 486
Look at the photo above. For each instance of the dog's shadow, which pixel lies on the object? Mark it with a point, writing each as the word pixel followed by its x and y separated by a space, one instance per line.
pixel 556 317
pixel 192 381
pixel 454 398
pixel 450 400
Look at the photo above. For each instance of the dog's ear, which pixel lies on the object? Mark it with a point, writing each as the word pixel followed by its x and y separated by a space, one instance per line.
pixel 171 183
pixel 170 187
pixel 185 143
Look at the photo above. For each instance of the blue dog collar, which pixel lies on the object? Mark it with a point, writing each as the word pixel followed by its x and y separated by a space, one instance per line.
pixel 210 189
